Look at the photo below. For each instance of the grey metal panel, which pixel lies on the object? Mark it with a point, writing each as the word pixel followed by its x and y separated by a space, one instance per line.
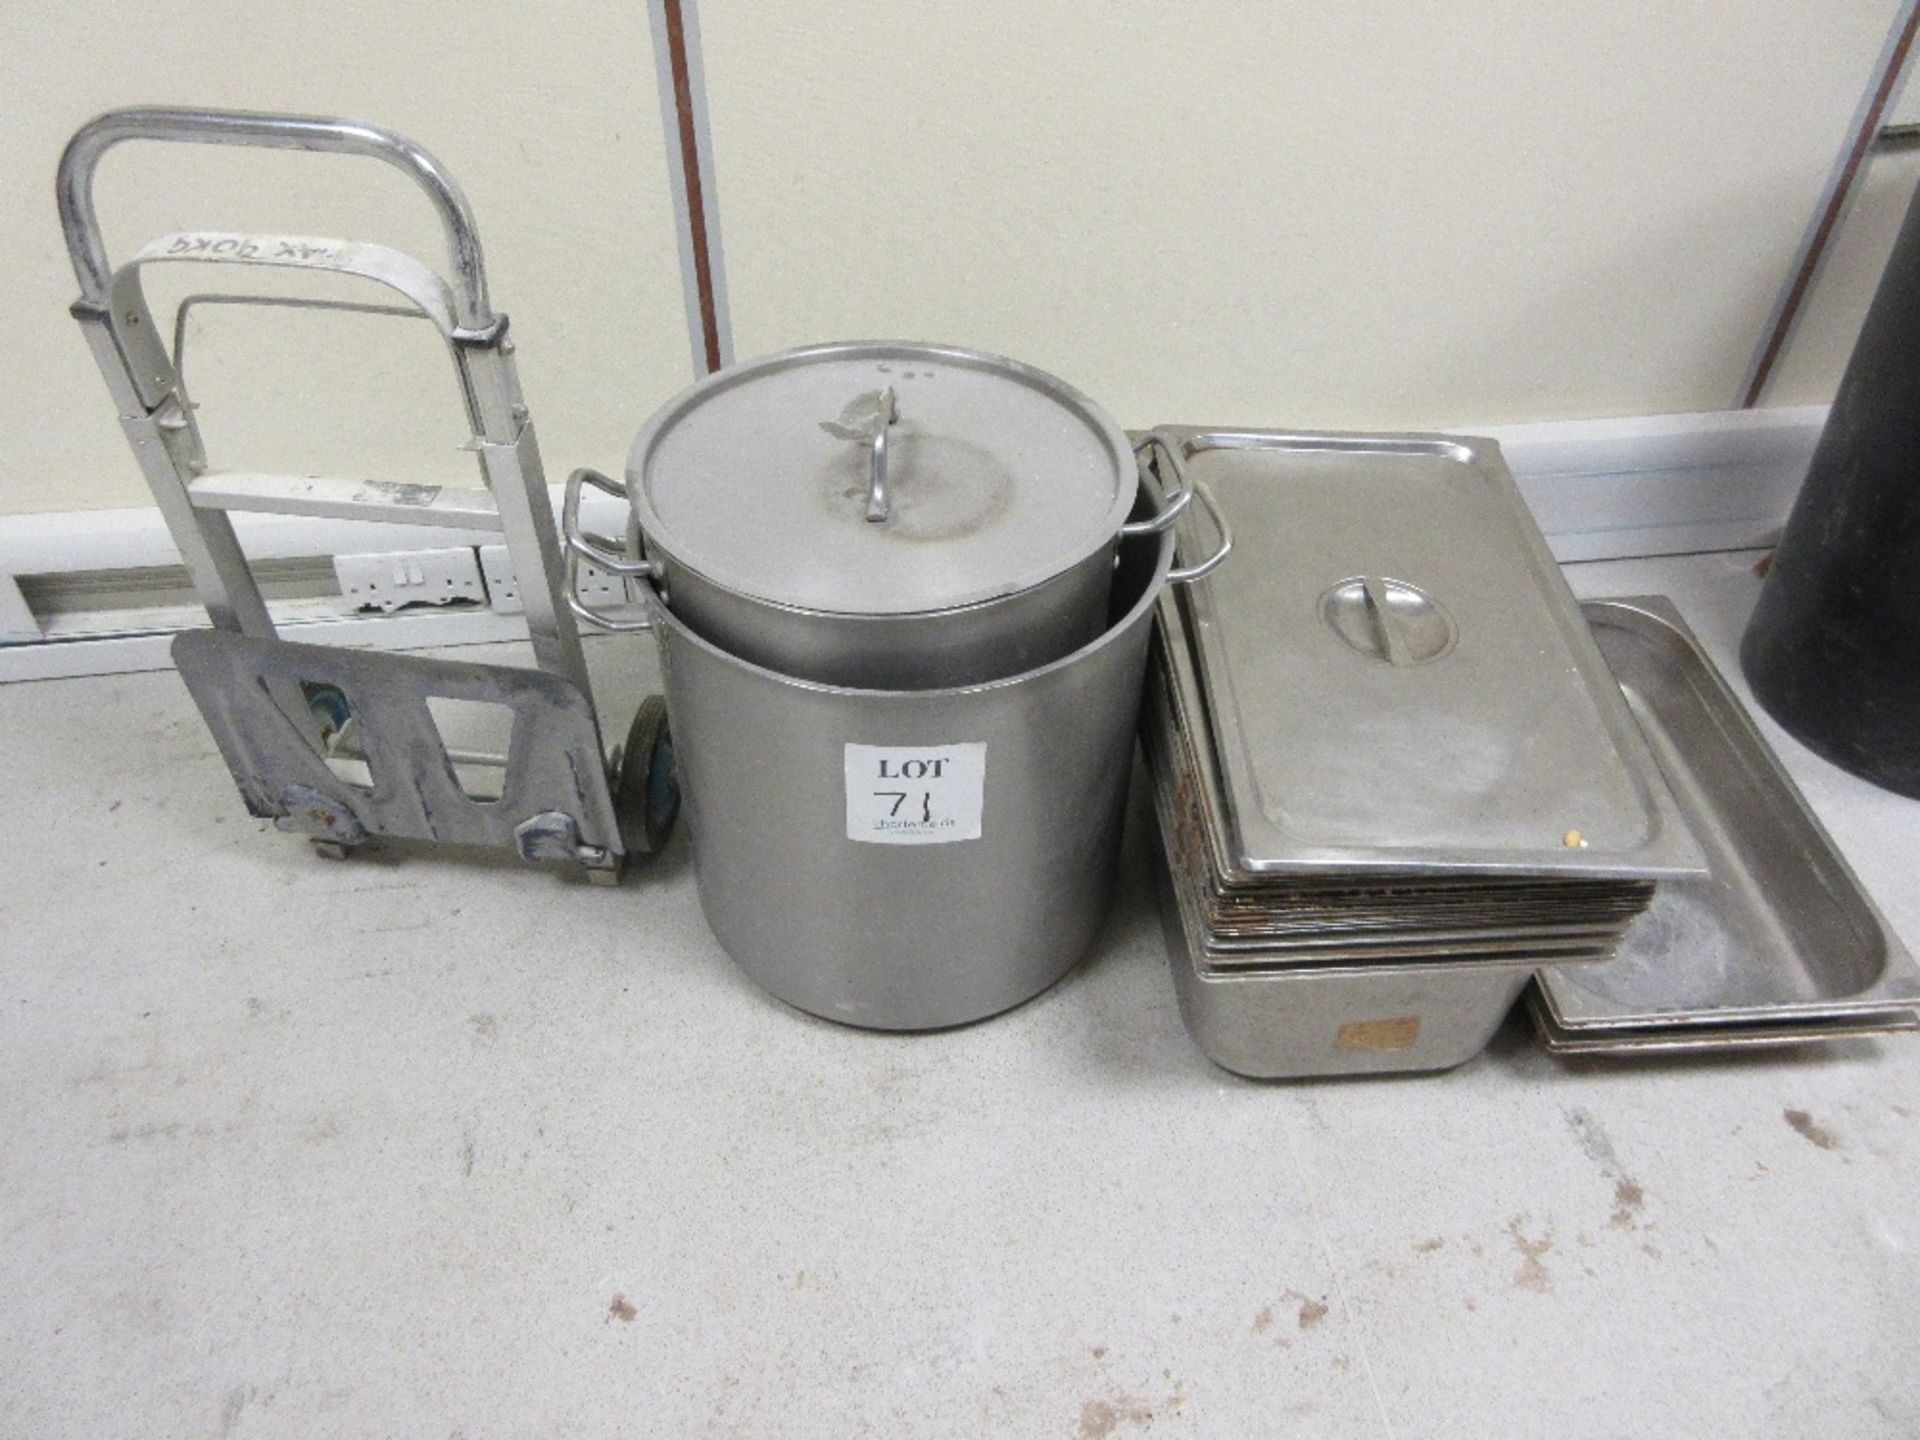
pixel 553 765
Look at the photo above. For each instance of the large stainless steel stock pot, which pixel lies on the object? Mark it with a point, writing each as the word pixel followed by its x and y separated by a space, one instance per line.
pixel 913 859
pixel 883 515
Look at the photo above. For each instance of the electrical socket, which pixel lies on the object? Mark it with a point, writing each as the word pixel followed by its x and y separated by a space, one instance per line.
pixel 594 586
pixel 503 591
pixel 410 577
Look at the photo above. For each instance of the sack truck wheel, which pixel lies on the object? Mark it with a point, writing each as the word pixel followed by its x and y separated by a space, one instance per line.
pixel 646 795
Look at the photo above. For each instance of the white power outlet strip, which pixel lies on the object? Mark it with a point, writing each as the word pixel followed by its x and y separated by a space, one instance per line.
pixel 410 577
pixel 595 586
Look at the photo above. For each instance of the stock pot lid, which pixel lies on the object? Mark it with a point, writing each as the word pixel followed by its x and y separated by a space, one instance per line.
pixel 997 477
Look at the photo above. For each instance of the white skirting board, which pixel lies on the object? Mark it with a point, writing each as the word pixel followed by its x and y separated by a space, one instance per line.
pixel 1600 489
pixel 1662 484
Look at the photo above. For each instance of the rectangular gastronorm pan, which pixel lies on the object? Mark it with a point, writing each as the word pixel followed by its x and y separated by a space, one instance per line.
pixel 1257 939
pixel 1332 947
pixel 1779 934
pixel 1408 920
pixel 1315 932
pixel 1298 1022
pixel 1396 676
pixel 1680 1039
pixel 1179 736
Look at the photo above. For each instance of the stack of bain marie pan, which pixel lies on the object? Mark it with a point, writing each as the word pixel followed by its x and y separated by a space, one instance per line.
pixel 1392 773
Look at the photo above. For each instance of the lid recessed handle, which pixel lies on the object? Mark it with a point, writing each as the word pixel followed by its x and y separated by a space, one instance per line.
pixel 878 506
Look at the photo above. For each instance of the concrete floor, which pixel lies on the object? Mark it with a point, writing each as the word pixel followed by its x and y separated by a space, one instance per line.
pixel 415 1148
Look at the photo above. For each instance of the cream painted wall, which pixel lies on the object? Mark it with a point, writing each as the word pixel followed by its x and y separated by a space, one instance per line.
pixel 547 115
pixel 1364 214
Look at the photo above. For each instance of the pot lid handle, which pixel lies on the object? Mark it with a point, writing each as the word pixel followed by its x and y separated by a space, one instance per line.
pixel 878 507
pixel 865 421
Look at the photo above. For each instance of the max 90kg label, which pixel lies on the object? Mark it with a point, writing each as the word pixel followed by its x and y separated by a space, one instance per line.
pixel 919 795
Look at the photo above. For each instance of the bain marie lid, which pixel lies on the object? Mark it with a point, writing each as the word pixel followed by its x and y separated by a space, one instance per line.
pixel 998 477
pixel 1396 677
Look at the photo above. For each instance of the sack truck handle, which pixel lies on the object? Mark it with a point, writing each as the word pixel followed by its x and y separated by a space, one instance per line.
pixel 141 373
pixel 274 132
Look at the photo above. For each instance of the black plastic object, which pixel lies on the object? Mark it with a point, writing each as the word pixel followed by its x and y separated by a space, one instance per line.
pixel 1833 648
pixel 646 794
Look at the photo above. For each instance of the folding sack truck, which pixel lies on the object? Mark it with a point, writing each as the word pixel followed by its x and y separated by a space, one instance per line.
pixel 280 709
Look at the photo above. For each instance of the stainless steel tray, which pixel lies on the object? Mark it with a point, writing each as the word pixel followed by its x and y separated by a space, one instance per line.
pixel 1330 944
pixel 1300 1022
pixel 1693 1039
pixel 1178 735
pixel 1779 940
pixel 1386 688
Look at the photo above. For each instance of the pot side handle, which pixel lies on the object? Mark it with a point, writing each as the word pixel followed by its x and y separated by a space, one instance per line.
pixel 1187 574
pixel 581 545
pixel 1172 504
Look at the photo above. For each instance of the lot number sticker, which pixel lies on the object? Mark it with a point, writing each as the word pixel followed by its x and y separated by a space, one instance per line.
pixel 924 795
